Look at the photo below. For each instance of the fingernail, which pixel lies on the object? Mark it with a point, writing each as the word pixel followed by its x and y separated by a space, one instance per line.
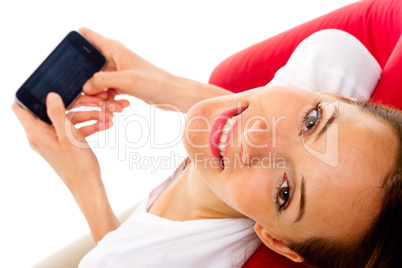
pixel 52 96
pixel 112 107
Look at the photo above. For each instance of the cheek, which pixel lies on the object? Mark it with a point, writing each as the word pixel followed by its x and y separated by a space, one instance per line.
pixel 196 131
pixel 197 128
pixel 249 192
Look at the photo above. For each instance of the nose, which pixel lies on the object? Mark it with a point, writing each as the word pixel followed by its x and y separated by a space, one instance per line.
pixel 262 141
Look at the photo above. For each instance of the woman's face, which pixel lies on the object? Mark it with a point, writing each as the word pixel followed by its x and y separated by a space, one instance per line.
pixel 299 163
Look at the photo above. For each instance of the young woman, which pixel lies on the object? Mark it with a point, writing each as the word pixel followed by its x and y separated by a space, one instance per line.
pixel 334 185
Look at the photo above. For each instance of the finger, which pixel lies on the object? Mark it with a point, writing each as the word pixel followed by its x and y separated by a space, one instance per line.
pixel 115 106
pixel 111 94
pixel 65 131
pixel 98 40
pixel 80 117
pixel 112 106
pixel 57 113
pixel 105 105
pixel 124 103
pixel 82 98
pixel 91 129
pixel 105 45
pixel 120 80
pixel 86 100
pixel 102 95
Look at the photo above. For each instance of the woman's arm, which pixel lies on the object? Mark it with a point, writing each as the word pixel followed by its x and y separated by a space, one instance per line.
pixel 98 213
pixel 128 73
pixel 65 149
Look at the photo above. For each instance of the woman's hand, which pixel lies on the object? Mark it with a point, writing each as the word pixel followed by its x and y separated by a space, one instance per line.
pixel 106 104
pixel 65 149
pixel 125 71
pixel 62 146
pixel 128 73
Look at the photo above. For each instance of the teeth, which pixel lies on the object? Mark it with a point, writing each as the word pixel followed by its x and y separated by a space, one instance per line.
pixel 230 122
pixel 223 137
pixel 226 128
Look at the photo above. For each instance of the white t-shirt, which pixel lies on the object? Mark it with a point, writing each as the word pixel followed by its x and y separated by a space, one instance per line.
pixel 329 61
pixel 146 240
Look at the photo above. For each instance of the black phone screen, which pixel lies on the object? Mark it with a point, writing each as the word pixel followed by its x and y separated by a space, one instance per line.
pixel 64 72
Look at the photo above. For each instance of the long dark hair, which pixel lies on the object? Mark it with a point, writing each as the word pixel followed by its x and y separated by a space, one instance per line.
pixel 381 245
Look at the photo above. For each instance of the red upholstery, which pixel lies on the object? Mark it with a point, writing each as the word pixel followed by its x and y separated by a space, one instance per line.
pixel 376 23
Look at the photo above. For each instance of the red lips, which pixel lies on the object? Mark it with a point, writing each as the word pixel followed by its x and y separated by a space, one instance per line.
pixel 217 128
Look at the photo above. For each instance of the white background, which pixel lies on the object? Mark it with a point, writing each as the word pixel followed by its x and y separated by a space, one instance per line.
pixel 187 38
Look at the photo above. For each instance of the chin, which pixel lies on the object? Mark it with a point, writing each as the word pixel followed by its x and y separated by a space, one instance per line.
pixel 197 130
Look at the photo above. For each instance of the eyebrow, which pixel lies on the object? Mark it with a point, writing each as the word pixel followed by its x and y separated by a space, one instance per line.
pixel 327 124
pixel 302 202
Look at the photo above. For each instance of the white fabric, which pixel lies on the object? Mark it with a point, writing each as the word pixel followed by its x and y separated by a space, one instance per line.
pixel 146 240
pixel 329 61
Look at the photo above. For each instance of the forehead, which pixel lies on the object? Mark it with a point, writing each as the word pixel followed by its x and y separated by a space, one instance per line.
pixel 365 140
pixel 346 197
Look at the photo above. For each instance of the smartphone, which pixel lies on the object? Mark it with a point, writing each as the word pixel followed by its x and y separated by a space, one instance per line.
pixel 64 71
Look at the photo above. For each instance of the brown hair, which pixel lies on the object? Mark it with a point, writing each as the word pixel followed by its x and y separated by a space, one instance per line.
pixel 380 245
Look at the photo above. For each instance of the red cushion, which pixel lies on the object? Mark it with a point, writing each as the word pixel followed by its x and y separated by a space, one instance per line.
pixel 266 258
pixel 376 23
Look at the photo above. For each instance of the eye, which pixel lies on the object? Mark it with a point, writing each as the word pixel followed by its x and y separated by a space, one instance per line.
pixel 283 195
pixel 311 118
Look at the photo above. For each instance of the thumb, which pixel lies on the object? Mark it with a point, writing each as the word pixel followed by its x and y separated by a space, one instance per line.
pixel 56 112
pixel 65 130
pixel 120 80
